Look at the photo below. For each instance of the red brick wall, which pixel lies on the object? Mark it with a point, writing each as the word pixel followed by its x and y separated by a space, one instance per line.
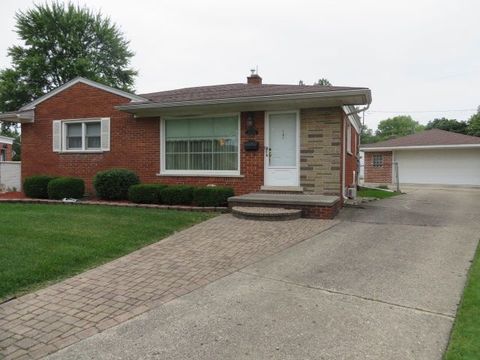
pixel 134 143
pixel 8 151
pixel 351 160
pixel 378 175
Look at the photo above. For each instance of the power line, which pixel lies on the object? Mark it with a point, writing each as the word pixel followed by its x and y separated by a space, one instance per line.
pixel 417 111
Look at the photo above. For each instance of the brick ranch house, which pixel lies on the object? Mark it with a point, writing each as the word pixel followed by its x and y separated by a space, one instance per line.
pixel 431 157
pixel 6 148
pixel 249 136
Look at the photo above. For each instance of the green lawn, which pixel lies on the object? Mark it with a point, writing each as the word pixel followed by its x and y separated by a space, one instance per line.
pixel 376 193
pixel 465 337
pixel 45 243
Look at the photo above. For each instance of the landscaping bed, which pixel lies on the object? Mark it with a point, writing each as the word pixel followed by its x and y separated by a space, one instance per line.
pixel 41 243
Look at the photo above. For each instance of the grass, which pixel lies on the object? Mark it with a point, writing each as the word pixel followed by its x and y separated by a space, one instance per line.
pixel 376 193
pixel 46 243
pixel 465 338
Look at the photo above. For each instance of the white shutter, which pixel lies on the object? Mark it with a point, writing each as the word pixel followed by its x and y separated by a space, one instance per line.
pixel 105 134
pixel 57 136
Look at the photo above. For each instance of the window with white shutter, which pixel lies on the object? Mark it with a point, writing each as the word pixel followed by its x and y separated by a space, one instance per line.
pixel 57 135
pixel 81 135
pixel 105 134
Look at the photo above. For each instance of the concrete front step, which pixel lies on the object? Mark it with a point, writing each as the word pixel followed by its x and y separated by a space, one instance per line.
pixel 311 205
pixel 266 213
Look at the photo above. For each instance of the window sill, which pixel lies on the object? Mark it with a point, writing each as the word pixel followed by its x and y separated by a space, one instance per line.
pixel 81 151
pixel 201 175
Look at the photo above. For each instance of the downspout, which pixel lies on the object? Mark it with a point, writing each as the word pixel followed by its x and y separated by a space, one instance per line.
pixel 345 145
pixel 359 110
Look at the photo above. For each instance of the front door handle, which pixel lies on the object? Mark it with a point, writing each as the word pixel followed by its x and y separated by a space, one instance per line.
pixel 269 154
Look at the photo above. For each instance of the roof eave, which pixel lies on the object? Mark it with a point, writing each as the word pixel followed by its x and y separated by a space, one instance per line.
pixel 419 147
pixel 79 79
pixel 26 116
pixel 337 98
pixel 6 140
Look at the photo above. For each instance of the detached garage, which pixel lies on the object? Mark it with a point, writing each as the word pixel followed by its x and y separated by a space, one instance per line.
pixel 434 157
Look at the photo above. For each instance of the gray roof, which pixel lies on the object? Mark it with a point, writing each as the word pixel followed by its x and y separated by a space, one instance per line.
pixel 434 137
pixel 239 90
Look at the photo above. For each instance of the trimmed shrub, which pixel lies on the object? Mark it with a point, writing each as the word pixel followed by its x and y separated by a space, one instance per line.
pixel 113 184
pixel 37 186
pixel 66 187
pixel 145 193
pixel 177 195
pixel 212 195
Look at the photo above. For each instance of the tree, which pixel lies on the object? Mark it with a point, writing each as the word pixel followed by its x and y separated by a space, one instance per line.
pixel 323 82
pixel 397 126
pixel 366 135
pixel 60 42
pixel 474 124
pixel 448 125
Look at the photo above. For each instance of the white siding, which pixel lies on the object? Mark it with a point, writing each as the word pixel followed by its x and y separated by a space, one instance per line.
pixel 10 175
pixel 442 166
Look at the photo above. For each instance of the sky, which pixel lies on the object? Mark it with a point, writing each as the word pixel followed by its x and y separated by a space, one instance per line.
pixel 419 58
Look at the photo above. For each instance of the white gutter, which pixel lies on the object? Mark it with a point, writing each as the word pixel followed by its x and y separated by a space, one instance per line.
pixel 283 97
pixel 420 147
pixel 18 116
pixel 6 140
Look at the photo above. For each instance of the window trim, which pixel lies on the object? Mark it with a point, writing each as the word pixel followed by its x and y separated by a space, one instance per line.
pixel 64 124
pixel 349 138
pixel 219 173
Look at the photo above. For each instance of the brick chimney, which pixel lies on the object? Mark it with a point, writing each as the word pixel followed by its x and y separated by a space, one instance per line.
pixel 254 79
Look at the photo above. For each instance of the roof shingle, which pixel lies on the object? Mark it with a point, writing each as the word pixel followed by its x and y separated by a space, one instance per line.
pixel 227 91
pixel 426 138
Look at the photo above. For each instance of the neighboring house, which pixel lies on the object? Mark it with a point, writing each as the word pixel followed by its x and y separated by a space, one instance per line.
pixel 428 157
pixel 248 136
pixel 6 148
pixel 9 170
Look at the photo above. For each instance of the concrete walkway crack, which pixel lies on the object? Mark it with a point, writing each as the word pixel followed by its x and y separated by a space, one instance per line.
pixel 335 292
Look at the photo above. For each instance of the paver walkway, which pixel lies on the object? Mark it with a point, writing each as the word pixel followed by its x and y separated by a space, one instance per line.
pixel 50 319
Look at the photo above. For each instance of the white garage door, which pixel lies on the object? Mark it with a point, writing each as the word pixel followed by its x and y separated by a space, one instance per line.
pixel 452 166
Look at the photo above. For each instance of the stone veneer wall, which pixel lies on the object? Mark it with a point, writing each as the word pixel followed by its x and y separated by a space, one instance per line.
pixel 320 150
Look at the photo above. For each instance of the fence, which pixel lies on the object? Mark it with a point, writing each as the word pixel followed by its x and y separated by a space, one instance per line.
pixel 10 176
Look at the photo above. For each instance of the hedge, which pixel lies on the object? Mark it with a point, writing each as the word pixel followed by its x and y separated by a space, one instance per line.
pixel 177 195
pixel 145 193
pixel 66 187
pixel 113 184
pixel 212 195
pixel 36 186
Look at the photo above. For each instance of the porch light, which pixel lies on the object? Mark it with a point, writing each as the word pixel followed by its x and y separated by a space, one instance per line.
pixel 251 130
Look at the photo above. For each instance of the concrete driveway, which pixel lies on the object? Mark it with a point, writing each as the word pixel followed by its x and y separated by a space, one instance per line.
pixel 384 283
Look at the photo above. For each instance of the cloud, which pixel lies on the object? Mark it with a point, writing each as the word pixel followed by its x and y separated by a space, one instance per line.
pixel 414 55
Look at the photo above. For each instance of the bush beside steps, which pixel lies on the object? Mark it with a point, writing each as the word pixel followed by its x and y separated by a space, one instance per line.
pixel 145 193
pixel 211 196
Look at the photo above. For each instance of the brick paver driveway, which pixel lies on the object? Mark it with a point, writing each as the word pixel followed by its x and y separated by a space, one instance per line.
pixel 50 319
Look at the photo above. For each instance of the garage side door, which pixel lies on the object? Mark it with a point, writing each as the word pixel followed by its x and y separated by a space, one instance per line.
pixel 452 167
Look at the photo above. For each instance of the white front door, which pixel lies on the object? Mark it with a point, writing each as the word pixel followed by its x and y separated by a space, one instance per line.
pixel 281 149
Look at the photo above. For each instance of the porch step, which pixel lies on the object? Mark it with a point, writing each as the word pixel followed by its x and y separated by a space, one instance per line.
pixel 265 213
pixel 311 206
pixel 282 189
